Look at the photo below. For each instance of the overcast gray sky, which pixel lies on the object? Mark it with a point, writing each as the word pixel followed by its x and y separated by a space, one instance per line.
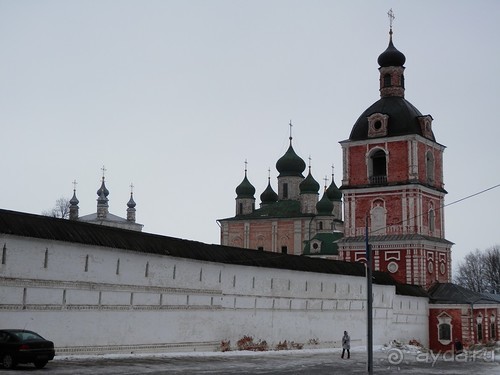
pixel 173 96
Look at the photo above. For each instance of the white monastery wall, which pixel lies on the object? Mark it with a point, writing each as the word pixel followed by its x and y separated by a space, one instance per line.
pixel 87 298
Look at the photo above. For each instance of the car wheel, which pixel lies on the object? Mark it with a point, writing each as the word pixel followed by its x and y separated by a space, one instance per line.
pixel 40 364
pixel 8 361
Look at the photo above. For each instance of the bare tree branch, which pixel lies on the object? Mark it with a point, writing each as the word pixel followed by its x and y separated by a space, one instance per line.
pixel 60 209
pixel 480 271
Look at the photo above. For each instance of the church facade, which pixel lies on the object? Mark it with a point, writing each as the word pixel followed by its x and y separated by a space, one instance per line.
pixel 288 221
pixel 393 186
pixel 392 192
pixel 392 198
pixel 102 216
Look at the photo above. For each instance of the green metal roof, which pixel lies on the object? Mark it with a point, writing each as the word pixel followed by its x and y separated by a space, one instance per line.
pixel 328 244
pixel 280 209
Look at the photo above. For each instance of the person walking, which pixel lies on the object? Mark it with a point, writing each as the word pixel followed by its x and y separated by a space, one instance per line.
pixel 346 345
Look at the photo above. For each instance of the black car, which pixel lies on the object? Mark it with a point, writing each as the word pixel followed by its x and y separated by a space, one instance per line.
pixel 21 346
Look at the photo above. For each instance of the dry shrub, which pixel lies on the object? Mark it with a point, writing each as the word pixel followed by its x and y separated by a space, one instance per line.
pixel 246 343
pixel 296 345
pixel 225 345
pixel 282 345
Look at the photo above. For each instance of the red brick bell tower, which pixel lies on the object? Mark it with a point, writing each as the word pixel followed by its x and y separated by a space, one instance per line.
pixel 393 180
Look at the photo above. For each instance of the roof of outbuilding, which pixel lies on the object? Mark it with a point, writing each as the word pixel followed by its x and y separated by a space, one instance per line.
pixel 49 228
pixel 450 293
pixel 394 237
pixel 328 244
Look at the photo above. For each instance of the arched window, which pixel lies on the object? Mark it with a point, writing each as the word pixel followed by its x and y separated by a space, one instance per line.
pixel 432 220
pixel 479 321
pixel 378 217
pixel 493 328
pixel 285 190
pixel 378 167
pixel 444 328
pixel 444 332
pixel 429 166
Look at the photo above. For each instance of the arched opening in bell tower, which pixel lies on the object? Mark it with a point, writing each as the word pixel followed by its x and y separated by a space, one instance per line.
pixel 378 167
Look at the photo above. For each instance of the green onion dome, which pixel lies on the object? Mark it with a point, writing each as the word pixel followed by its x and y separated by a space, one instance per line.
pixel 268 195
pixel 333 192
pixel 245 189
pixel 309 184
pixel 324 205
pixel 290 164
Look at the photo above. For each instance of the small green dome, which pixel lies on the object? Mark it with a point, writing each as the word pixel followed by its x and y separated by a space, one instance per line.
pixel 290 164
pixel 325 205
pixel 333 192
pixel 309 185
pixel 245 189
pixel 268 195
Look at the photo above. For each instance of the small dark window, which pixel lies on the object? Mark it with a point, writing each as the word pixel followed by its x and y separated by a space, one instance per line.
pixel 402 81
pixel 493 332
pixel 315 246
pixel 260 248
pixel 479 332
pixel 320 225
pixel 387 80
pixel 284 250
pixel 444 332
pixel 240 209
pixel 285 190
pixel 377 125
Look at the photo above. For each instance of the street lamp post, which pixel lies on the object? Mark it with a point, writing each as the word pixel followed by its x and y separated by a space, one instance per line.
pixel 369 307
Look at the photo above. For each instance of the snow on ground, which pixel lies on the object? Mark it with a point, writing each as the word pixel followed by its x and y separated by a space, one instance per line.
pixel 393 351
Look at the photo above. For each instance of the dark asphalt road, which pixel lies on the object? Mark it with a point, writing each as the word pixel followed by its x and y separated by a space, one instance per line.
pixel 276 363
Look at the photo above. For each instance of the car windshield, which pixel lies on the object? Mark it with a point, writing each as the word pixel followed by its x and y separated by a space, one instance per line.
pixel 26 335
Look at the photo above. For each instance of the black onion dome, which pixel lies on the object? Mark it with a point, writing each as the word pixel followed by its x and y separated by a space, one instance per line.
pixel 403 118
pixel 391 56
pixel 309 185
pixel 131 203
pixel 324 205
pixel 333 192
pixel 74 200
pixel 290 164
pixel 268 195
pixel 245 189
pixel 103 189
